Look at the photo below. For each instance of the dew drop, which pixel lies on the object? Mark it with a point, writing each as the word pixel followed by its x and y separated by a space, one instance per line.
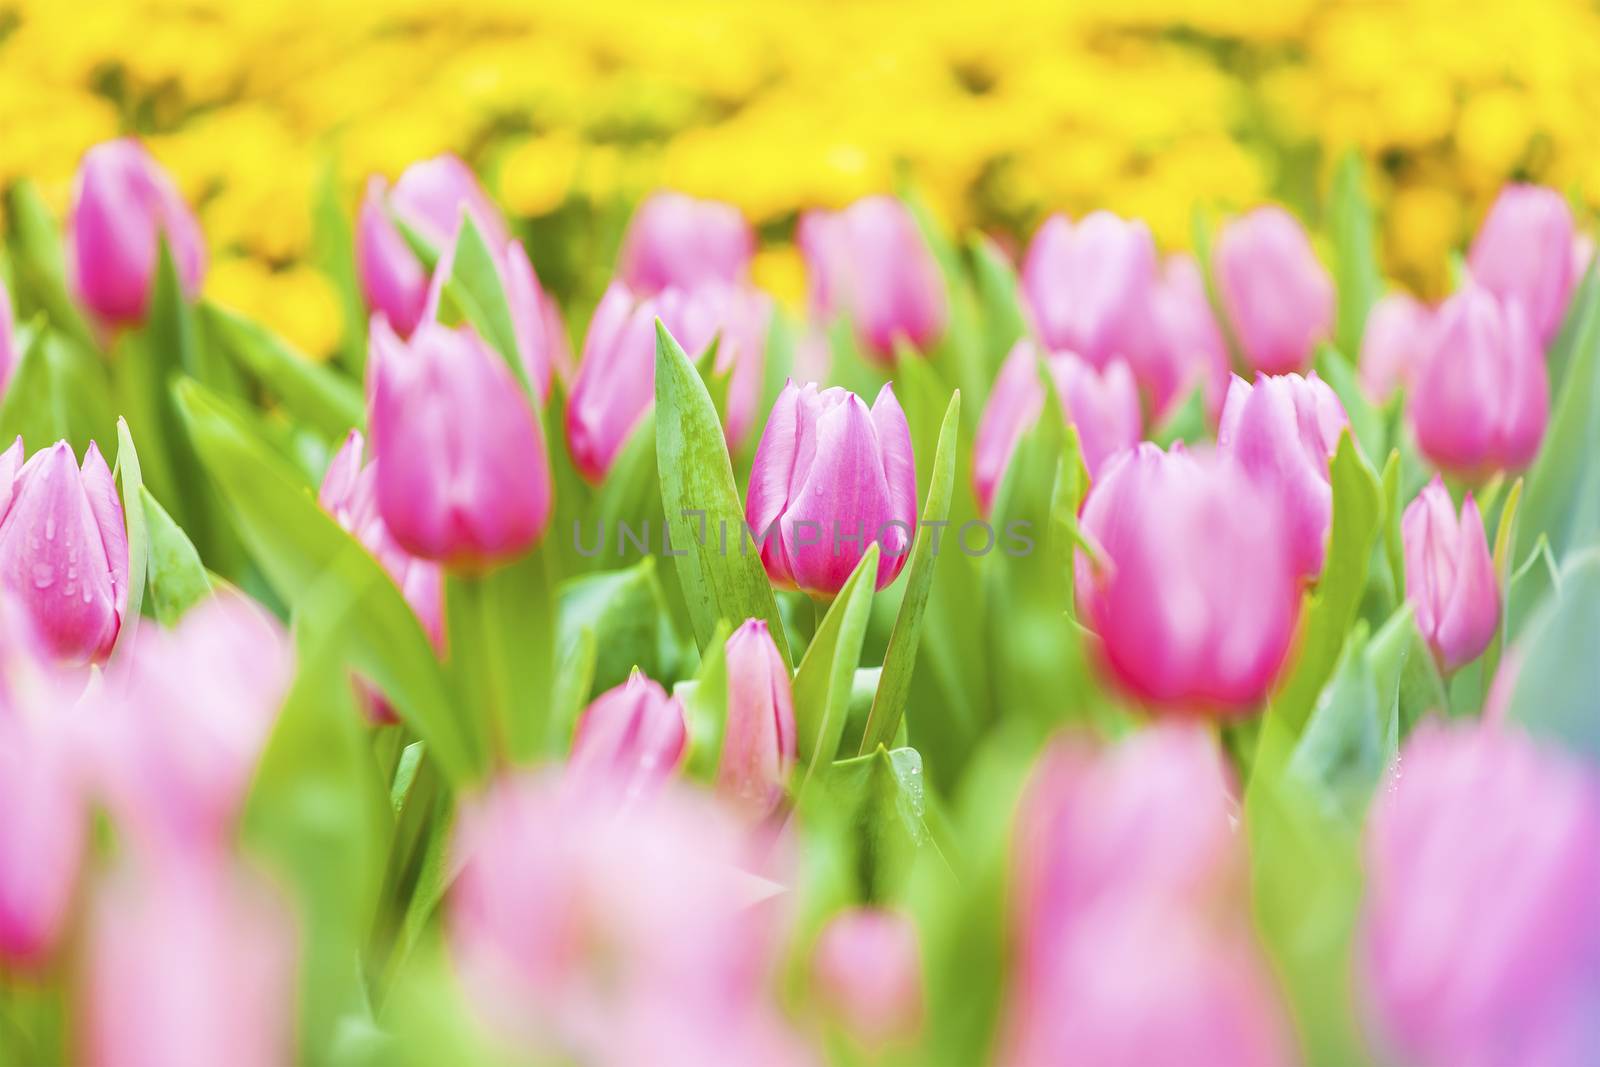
pixel 50 528
pixel 44 576
pixel 87 595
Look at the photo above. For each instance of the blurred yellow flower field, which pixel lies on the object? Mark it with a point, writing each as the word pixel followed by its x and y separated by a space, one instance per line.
pixel 997 112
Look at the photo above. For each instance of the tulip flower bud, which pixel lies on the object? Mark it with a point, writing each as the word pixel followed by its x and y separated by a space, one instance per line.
pixel 1450 577
pixel 1103 405
pixel 42 835
pixel 678 241
pixel 8 342
pixel 1088 285
pixel 870 263
pixel 393 280
pixel 189 966
pixel 1478 943
pixel 1481 396
pixel 1523 252
pixel 633 737
pixel 1180 346
pixel 1282 432
pixel 758 743
pixel 463 477
pixel 64 548
pixel 431 196
pixel 1277 296
pixel 1395 339
pixel 123 204
pixel 829 478
pixel 1190 529
pixel 868 973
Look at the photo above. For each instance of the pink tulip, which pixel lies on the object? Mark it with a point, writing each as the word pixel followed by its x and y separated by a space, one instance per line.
pixel 1088 285
pixel 615 387
pixel 633 736
pixel 191 967
pixel 1481 396
pixel 1283 431
pixel 463 477
pixel 870 263
pixel 829 478
pixel 580 929
pixel 123 204
pixel 1122 857
pixel 64 548
pixel 393 280
pixel 1180 346
pixel 1478 942
pixel 432 195
pixel 1103 405
pixel 8 342
pixel 758 742
pixel 1194 593
pixel 173 745
pixel 678 241
pixel 868 974
pixel 1278 297
pixel 1450 576
pixel 1395 339
pixel 1523 253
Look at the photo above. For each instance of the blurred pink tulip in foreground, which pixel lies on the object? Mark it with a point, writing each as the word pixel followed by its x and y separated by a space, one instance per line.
pixel 1523 252
pixel 123 205
pixel 1392 345
pixel 1277 295
pixel 868 973
pixel 679 241
pixel 1450 577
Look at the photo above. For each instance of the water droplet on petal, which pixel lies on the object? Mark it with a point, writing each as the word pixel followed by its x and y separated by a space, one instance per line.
pixel 44 576
pixel 50 528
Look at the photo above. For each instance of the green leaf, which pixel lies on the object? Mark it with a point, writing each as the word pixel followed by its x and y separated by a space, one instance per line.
pixel 1332 608
pixel 58 390
pixel 574 683
pixel 880 799
pixel 311 392
pixel 177 578
pixel 1574 323
pixel 1186 422
pixel 1365 420
pixel 333 246
pixel 132 485
pixel 705 707
pixel 478 295
pixel 1394 549
pixel 1355 250
pixel 999 302
pixel 901 656
pixel 626 612
pixel 41 269
pixel 297 545
pixel 822 684
pixel 1407 679
pixel 1554 694
pixel 1200 241
pixel 1341 754
pixel 720 572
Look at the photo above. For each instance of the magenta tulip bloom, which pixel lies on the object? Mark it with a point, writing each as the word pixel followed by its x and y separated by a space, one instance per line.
pixel 1180 346
pixel 42 835
pixel 1278 297
pixel 1392 345
pixel 393 280
pixel 758 742
pixel 1195 595
pixel 1523 252
pixel 64 548
pixel 188 967
pixel 1103 405
pixel 463 477
pixel 868 973
pixel 870 263
pixel 1123 857
pixel 829 478
pixel 1479 946
pixel 632 737
pixel 1283 431
pixel 431 196
pixel 123 204
pixel 678 241
pixel 1088 284
pixel 8 341
pixel 1481 396
pixel 173 746
pixel 1450 577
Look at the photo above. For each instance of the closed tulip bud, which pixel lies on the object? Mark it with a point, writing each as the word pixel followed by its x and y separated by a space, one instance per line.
pixel 195 966
pixel 1523 252
pixel 1393 343
pixel 829 478
pixel 678 241
pixel 1450 576
pixel 64 548
pixel 1088 284
pixel 8 341
pixel 1282 432
pixel 1189 529
pixel 41 837
pixel 1278 297
pixel 1014 403
pixel 758 742
pixel 463 477
pixel 1180 346
pixel 870 263
pixel 631 739
pixel 393 280
pixel 432 195
pixel 1478 940
pixel 123 205
pixel 868 973
pixel 1481 396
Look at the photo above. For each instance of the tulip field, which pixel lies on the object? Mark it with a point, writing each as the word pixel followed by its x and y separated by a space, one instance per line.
pixel 1094 642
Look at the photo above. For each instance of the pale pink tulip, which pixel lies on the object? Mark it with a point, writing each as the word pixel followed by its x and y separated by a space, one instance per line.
pixel 868 973
pixel 632 736
pixel 1395 339
pixel 1088 284
pixel 1277 295
pixel 1450 576
pixel 758 741
pixel 1523 252
pixel 1180 346
pixel 678 241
